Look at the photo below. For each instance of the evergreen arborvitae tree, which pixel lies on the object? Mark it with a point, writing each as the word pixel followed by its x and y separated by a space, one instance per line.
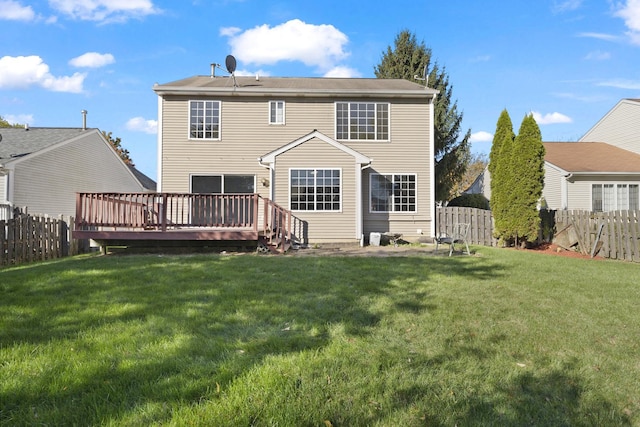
pixel 499 164
pixel 527 164
pixel 408 59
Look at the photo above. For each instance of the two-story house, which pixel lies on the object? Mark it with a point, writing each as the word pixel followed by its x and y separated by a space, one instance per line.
pixel 347 156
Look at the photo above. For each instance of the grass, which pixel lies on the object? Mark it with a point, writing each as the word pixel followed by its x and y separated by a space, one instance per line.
pixel 506 337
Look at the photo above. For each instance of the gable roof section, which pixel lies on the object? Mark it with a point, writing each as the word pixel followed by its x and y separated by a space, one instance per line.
pixel 271 157
pixel 300 86
pixel 18 142
pixel 591 157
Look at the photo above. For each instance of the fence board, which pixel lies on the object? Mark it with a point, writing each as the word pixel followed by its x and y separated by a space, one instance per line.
pixel 28 238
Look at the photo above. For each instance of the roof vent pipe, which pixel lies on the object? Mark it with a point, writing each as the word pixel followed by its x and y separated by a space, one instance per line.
pixel 84 119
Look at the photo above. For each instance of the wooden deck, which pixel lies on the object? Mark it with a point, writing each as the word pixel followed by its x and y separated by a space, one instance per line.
pixel 117 218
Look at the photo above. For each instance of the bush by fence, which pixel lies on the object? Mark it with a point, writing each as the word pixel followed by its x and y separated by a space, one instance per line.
pixel 614 235
pixel 28 238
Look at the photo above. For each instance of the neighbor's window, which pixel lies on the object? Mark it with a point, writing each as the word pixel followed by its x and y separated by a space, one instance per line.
pixel 204 119
pixel 362 121
pixel 611 197
pixel 276 112
pixel 315 189
pixel 393 193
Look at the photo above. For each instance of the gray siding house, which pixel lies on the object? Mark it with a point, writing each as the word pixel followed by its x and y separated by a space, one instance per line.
pixel 43 168
pixel 347 156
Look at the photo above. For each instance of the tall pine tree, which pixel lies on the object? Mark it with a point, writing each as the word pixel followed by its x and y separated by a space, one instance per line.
pixel 408 59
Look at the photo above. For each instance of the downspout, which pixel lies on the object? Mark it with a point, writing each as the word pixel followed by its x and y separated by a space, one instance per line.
pixel 271 176
pixel 159 142
pixel 565 191
pixel 432 167
pixel 359 201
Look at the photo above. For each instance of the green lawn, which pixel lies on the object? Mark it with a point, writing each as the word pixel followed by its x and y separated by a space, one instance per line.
pixel 506 337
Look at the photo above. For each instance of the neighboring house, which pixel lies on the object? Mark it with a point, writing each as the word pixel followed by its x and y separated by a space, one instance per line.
pixel 620 127
pixel 594 176
pixel 347 156
pixel 43 168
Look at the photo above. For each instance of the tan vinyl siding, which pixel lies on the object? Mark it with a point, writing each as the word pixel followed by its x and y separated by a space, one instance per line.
pixel 552 191
pixel 330 226
pixel 47 182
pixel 620 127
pixel 406 153
pixel 247 135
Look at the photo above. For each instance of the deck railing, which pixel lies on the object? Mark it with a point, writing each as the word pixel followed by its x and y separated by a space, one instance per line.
pixel 165 212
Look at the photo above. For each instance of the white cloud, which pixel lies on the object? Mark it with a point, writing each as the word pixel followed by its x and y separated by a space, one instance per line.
pixel 598 55
pixel 19 119
pixel 481 136
pixel 621 84
pixel 342 71
pixel 104 10
pixel 322 46
pixel 566 5
pixel 92 60
pixel 139 124
pixel 629 10
pixel 550 118
pixel 481 58
pixel 229 31
pixel 599 36
pixel 13 11
pixel 22 72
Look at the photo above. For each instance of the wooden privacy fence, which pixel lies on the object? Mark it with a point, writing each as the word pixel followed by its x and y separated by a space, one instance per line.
pixel 614 234
pixel 28 238
pixel 480 220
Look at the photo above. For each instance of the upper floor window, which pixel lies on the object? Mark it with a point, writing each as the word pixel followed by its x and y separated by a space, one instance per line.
pixel 362 121
pixel 204 119
pixel 315 189
pixel 393 193
pixel 276 112
pixel 612 197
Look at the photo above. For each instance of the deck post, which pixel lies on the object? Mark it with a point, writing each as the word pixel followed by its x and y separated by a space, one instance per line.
pixel 163 212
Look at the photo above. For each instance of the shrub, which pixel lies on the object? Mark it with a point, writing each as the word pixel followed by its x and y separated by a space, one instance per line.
pixel 470 201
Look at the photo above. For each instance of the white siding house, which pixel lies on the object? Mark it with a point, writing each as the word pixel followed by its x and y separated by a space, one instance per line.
pixel 42 169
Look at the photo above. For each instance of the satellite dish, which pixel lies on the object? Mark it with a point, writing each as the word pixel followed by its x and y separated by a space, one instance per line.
pixel 230 62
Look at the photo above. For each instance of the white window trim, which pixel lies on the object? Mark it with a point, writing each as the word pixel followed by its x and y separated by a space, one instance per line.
pixel 219 120
pixel 317 169
pixel 284 112
pixel 335 124
pixel 371 211
pixel 615 185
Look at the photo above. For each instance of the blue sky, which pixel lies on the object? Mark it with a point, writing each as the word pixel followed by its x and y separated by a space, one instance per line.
pixel 566 61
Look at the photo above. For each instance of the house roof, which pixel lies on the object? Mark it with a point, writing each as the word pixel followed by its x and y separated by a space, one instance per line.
pixel 270 157
pixel 295 85
pixel 591 157
pixel 18 142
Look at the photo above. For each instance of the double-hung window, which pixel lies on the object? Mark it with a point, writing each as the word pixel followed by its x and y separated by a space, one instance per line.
pixel 315 189
pixel 611 197
pixel 393 193
pixel 204 119
pixel 362 121
pixel 276 112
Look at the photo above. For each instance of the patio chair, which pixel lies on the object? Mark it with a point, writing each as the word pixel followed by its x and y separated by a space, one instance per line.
pixel 459 234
